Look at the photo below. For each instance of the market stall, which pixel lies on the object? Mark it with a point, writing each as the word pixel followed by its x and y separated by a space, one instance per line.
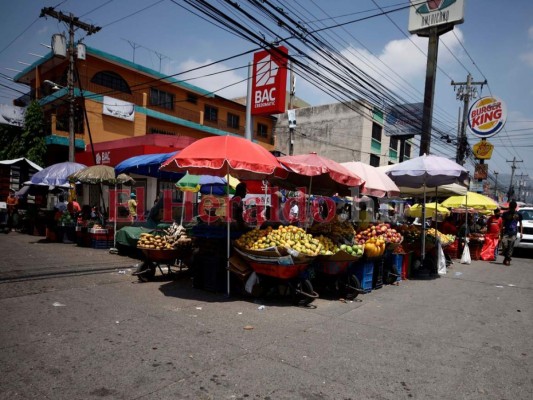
pixel 427 172
pixel 91 228
pixel 220 156
pixel 469 206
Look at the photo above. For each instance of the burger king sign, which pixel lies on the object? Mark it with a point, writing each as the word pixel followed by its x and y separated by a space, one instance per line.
pixel 487 117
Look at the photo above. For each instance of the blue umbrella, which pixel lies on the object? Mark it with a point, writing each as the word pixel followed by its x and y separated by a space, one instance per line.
pixel 148 165
pixel 56 174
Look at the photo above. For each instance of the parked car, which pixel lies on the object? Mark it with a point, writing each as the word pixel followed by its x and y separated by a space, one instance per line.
pixel 527 221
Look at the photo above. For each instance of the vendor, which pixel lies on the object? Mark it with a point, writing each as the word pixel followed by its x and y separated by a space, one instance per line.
pixel 12 202
pixel 448 227
pixel 237 207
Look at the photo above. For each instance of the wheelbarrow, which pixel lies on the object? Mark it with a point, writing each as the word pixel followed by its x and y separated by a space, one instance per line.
pixel 155 258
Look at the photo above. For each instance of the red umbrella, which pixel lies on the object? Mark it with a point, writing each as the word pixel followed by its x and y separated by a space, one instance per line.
pixel 220 155
pixel 322 175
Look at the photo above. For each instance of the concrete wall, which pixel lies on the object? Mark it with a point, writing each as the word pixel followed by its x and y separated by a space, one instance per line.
pixel 336 131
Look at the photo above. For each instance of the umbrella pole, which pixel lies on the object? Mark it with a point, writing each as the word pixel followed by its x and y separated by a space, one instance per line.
pixel 436 210
pixel 228 233
pixel 424 227
pixel 308 204
pixel 114 250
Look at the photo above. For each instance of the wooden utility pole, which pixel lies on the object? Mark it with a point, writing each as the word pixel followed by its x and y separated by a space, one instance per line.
pixel 72 22
pixel 465 93
pixel 510 192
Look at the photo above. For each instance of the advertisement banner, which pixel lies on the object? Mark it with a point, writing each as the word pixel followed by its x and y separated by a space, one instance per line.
pixel 12 115
pixel 487 117
pixel 481 171
pixel 269 81
pixel 428 14
pixel 403 120
pixel 483 150
pixel 118 108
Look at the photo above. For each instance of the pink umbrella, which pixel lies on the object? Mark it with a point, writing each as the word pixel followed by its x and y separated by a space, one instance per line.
pixel 377 183
pixel 320 174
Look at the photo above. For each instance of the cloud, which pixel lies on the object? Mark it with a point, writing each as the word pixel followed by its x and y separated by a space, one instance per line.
pixel 401 63
pixel 527 58
pixel 226 84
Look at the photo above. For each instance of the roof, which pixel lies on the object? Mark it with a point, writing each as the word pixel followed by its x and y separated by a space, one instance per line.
pixel 49 60
pixel 19 160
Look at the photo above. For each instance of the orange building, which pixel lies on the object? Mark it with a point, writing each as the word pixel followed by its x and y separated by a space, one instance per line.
pixel 119 104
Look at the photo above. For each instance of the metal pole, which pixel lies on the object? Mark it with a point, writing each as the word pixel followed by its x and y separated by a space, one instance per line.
pixel 248 126
pixel 429 91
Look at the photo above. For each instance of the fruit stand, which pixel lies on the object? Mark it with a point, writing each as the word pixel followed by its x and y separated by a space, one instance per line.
pixel 280 257
pixel 171 247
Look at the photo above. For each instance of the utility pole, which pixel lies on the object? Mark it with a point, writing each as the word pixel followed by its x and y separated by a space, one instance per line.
pixel 72 22
pixel 465 93
pixel 496 185
pixel 510 192
pixel 521 184
pixel 291 113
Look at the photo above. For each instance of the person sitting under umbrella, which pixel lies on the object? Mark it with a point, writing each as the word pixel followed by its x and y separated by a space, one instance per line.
pixel 237 207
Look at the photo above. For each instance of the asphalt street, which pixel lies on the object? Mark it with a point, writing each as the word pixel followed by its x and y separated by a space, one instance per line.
pixel 77 325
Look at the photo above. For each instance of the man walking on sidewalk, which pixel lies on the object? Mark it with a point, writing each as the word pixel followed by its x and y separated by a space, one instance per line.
pixel 512 220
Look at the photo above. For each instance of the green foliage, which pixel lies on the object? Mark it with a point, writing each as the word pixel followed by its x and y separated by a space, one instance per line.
pixel 27 142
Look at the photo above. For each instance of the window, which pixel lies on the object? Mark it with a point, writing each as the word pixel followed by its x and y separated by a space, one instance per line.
pixel 262 130
pixel 233 121
pixel 376 132
pixel 374 160
pixel 211 113
pixel 111 80
pixel 394 143
pixel 158 131
pixel 191 98
pixel 161 99
pixel 407 150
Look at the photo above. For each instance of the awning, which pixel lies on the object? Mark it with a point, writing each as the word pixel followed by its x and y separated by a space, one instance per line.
pixel 113 152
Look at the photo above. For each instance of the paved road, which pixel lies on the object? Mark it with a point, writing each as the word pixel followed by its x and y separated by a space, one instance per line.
pixel 77 325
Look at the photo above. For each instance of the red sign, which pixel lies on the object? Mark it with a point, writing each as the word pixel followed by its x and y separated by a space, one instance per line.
pixel 269 81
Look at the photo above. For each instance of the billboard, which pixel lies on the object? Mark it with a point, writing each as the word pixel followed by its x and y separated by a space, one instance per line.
pixel 118 108
pixel 12 115
pixel 431 13
pixel 269 81
pixel 487 116
pixel 403 120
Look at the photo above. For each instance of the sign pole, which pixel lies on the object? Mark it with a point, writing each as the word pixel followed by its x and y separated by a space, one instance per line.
pixel 429 91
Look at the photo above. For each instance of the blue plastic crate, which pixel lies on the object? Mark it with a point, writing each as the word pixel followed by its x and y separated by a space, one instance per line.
pixel 364 271
pixel 397 261
pixel 101 244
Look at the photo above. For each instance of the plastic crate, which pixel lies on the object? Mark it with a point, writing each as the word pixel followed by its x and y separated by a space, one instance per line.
pixel 333 267
pixel 101 244
pixel 364 271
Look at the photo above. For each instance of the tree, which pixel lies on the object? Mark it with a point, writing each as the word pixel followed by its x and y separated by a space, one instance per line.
pixel 33 135
pixel 27 142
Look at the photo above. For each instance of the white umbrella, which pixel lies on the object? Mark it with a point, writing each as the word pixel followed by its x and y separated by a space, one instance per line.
pixel 427 171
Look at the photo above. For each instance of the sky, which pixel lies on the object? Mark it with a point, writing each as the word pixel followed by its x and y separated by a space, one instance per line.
pixel 495 43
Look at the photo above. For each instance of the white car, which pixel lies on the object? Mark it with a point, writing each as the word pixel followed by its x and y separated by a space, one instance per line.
pixel 527 222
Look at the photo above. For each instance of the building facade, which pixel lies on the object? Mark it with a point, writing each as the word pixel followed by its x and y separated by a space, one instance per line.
pixel 116 99
pixel 342 132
